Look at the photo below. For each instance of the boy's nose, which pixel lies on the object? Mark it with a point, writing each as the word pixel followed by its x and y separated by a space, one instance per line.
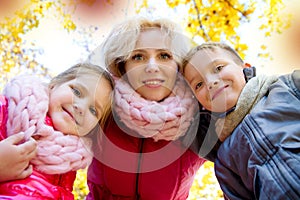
pixel 214 83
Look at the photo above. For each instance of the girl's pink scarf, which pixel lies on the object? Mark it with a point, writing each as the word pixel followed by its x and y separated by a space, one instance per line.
pixel 166 120
pixel 57 153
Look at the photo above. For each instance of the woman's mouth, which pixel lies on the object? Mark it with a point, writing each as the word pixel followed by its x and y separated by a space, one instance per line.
pixel 153 82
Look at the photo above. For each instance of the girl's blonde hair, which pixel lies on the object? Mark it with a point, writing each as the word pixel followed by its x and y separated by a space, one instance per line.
pixel 83 69
pixel 123 38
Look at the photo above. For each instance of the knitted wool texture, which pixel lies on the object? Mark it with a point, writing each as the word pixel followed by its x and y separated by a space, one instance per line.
pixel 166 120
pixel 57 153
pixel 251 94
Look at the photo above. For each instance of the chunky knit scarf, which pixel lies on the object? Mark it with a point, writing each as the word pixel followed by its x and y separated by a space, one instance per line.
pixel 28 101
pixel 166 120
pixel 253 91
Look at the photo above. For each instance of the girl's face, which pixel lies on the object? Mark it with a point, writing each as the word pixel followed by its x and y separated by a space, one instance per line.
pixel 215 79
pixel 77 105
pixel 151 69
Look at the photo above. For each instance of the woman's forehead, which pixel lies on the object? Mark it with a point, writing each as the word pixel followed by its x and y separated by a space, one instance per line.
pixel 153 38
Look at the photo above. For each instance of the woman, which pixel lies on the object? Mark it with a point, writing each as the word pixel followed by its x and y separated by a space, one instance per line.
pixel 141 156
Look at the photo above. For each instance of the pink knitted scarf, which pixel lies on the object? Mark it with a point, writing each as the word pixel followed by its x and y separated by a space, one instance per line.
pixel 57 153
pixel 166 120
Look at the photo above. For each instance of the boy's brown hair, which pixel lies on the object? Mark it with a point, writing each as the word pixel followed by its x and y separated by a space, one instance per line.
pixel 212 46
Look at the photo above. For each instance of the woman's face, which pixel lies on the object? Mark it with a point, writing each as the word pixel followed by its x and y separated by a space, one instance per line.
pixel 151 69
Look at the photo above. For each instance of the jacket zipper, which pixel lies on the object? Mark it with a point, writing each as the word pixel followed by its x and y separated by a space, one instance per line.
pixel 141 145
pixel 59 179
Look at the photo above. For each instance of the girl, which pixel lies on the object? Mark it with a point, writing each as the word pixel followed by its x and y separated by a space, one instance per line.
pixel 74 103
pixel 141 154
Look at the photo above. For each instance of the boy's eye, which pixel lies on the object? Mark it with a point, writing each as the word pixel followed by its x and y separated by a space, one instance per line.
pixel 93 111
pixel 76 91
pixel 219 68
pixel 198 85
pixel 137 57
pixel 165 56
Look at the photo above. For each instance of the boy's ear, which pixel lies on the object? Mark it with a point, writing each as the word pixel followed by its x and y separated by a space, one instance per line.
pixel 249 71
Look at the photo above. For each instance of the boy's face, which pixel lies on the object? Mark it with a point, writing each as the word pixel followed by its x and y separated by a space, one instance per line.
pixel 215 79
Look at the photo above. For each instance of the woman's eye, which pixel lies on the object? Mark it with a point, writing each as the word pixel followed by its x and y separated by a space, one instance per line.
pixel 93 111
pixel 76 91
pixel 198 85
pixel 165 56
pixel 138 57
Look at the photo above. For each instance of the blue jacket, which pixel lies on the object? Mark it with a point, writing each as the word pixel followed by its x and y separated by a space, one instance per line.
pixel 261 159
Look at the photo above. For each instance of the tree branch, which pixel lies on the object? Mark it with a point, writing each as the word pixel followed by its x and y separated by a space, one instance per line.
pixel 200 23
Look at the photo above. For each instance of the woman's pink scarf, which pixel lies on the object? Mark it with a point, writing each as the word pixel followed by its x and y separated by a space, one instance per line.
pixel 57 153
pixel 166 120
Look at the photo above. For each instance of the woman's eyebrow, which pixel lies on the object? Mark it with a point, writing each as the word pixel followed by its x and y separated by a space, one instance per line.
pixel 157 49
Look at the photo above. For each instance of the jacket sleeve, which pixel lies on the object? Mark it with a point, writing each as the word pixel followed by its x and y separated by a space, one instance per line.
pixel 232 167
pixel 40 186
pixel 296 78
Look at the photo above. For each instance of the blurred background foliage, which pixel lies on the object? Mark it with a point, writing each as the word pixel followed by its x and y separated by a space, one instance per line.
pixel 205 186
pixel 218 20
pixel 203 20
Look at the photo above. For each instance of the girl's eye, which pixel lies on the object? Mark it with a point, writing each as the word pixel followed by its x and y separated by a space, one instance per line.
pixel 219 68
pixel 137 57
pixel 93 111
pixel 76 91
pixel 165 56
pixel 198 85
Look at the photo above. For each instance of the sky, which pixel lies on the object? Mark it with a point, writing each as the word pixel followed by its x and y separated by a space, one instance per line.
pixel 60 52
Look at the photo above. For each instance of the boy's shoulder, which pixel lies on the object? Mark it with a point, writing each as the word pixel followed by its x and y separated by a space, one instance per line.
pixel 296 78
pixel 291 81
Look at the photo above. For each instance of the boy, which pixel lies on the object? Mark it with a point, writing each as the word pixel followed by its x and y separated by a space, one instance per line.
pixel 257 121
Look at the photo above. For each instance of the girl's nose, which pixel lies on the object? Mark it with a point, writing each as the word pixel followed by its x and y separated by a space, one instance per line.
pixel 152 66
pixel 77 109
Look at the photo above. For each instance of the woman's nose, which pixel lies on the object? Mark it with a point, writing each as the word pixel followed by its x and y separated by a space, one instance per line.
pixel 152 66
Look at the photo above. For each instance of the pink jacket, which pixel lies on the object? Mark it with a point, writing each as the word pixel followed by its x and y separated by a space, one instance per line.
pixel 38 186
pixel 130 168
